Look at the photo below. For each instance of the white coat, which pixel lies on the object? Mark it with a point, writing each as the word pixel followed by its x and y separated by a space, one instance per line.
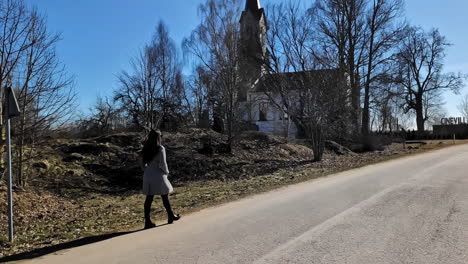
pixel 155 180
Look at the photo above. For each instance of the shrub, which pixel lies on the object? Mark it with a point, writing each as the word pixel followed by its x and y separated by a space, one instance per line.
pixel 375 142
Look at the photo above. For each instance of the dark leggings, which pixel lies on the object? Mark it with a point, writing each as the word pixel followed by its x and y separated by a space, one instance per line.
pixel 166 203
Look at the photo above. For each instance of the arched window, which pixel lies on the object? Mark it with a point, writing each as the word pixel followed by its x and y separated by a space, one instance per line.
pixel 263 112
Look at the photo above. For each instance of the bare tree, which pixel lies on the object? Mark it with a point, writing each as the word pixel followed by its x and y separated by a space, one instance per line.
pixel 342 28
pixel 313 97
pixel 105 117
pixel 421 77
pixel 154 89
pixel 200 84
pixel 463 106
pixel 435 113
pixel 214 44
pixel 44 89
pixel 15 24
pixel 384 26
pixel 289 49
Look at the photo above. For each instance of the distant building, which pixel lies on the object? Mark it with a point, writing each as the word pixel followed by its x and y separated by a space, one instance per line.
pixel 265 111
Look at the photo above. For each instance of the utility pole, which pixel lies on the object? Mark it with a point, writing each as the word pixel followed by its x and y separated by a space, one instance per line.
pixel 11 109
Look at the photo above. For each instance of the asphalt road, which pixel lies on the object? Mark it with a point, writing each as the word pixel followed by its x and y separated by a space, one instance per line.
pixel 411 210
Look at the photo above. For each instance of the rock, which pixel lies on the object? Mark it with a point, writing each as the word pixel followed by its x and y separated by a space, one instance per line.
pixel 337 148
pixel 76 173
pixel 73 157
pixel 357 147
pixel 41 165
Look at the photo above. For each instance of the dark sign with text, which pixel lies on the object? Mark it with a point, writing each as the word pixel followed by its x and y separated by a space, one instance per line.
pixel 453 121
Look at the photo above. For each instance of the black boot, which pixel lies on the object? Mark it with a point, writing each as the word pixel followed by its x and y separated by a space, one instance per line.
pixel 149 225
pixel 171 217
pixel 148 202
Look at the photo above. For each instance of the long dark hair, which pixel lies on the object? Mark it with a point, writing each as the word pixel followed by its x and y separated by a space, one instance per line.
pixel 152 146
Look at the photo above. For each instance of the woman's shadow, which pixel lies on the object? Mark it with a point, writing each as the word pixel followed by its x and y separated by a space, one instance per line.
pixel 67 245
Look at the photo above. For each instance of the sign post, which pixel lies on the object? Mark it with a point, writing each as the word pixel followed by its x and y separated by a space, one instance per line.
pixel 11 110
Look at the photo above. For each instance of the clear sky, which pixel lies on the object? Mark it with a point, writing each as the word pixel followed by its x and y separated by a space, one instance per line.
pixel 100 36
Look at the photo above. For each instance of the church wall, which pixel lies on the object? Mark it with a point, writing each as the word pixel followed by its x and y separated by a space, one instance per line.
pixel 274 123
pixel 278 128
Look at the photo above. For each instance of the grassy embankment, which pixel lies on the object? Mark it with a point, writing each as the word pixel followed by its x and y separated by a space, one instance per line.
pixel 80 199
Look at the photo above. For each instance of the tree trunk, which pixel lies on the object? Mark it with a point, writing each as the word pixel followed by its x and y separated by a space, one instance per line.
pixel 22 135
pixel 365 113
pixel 420 116
pixel 314 134
pixel 318 143
pixel 355 92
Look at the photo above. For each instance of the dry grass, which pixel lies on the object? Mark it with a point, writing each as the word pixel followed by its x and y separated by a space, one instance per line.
pixel 45 219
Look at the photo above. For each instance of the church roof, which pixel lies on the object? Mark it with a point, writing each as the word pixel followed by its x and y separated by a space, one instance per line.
pixel 293 80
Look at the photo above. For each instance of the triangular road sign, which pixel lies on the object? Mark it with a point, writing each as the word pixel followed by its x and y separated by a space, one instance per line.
pixel 12 104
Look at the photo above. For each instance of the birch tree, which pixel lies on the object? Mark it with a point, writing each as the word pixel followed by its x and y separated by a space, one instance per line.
pixel 313 96
pixel 153 90
pixel 214 45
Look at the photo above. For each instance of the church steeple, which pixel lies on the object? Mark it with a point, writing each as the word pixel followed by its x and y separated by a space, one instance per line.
pixel 252 5
pixel 252 45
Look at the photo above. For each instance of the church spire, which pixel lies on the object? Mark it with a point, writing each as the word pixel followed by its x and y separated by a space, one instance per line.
pixel 252 46
pixel 253 5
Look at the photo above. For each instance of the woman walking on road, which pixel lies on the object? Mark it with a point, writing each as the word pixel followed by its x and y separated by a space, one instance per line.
pixel 155 180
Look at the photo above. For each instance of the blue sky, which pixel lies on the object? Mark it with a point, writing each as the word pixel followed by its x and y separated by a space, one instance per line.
pixel 100 36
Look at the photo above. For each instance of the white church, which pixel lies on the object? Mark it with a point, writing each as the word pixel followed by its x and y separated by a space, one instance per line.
pixel 262 108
